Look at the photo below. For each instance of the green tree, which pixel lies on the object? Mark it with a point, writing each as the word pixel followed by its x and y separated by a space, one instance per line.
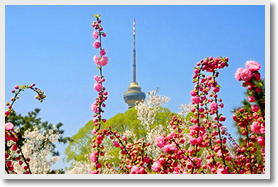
pixel 31 120
pixel 79 148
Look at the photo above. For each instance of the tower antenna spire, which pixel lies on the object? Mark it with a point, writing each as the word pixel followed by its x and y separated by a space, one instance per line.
pixel 134 53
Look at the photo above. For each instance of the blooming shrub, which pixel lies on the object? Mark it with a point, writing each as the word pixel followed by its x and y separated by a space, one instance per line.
pixel 33 151
pixel 202 144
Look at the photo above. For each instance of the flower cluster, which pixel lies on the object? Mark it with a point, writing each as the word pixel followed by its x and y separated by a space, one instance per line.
pixel 13 150
pixel 252 122
pixel 97 107
pixel 17 90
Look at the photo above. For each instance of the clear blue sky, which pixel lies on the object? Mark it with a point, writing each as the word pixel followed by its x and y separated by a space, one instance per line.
pixel 52 47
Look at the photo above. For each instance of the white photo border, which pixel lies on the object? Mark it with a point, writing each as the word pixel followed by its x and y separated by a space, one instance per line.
pixel 266 3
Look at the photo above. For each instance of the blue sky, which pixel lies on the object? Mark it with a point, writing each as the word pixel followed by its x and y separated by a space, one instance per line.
pixel 52 47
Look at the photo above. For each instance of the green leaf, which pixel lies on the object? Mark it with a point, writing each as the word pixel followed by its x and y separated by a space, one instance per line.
pixel 187 146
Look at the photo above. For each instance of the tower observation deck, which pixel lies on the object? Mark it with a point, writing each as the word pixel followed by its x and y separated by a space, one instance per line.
pixel 134 93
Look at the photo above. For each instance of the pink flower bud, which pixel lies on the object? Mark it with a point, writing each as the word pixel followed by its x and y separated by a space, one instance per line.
pixel 7 112
pixel 251 99
pixel 116 144
pixel 102 52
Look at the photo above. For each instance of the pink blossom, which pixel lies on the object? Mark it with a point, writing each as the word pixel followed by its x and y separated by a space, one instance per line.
pixel 195 100
pixel 93 157
pixel 96 60
pixel 255 127
pixel 162 160
pixel 246 75
pixel 253 65
pixel 199 140
pixel 156 167
pixel 193 141
pixel 213 106
pixel 238 74
pixel 98 87
pixel 104 34
pixel 97 78
pixel 160 141
pixel 219 153
pixel 134 170
pixel 103 61
pixel 255 108
pixel 124 138
pixel 261 141
pixel 170 148
pixel 193 93
pixel 251 99
pixel 9 126
pixel 222 170
pixel 94 108
pixel 116 144
pixel 102 52
pixel 262 130
pixel 96 44
pixel 95 34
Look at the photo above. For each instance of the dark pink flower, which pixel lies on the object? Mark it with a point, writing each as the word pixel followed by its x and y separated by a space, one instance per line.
pixel 251 99
pixel 96 44
pixel 255 108
pixel 222 118
pixel 7 112
pixel 195 100
pixel 261 141
pixel 116 144
pixel 14 147
pixel 213 106
pixel 102 52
